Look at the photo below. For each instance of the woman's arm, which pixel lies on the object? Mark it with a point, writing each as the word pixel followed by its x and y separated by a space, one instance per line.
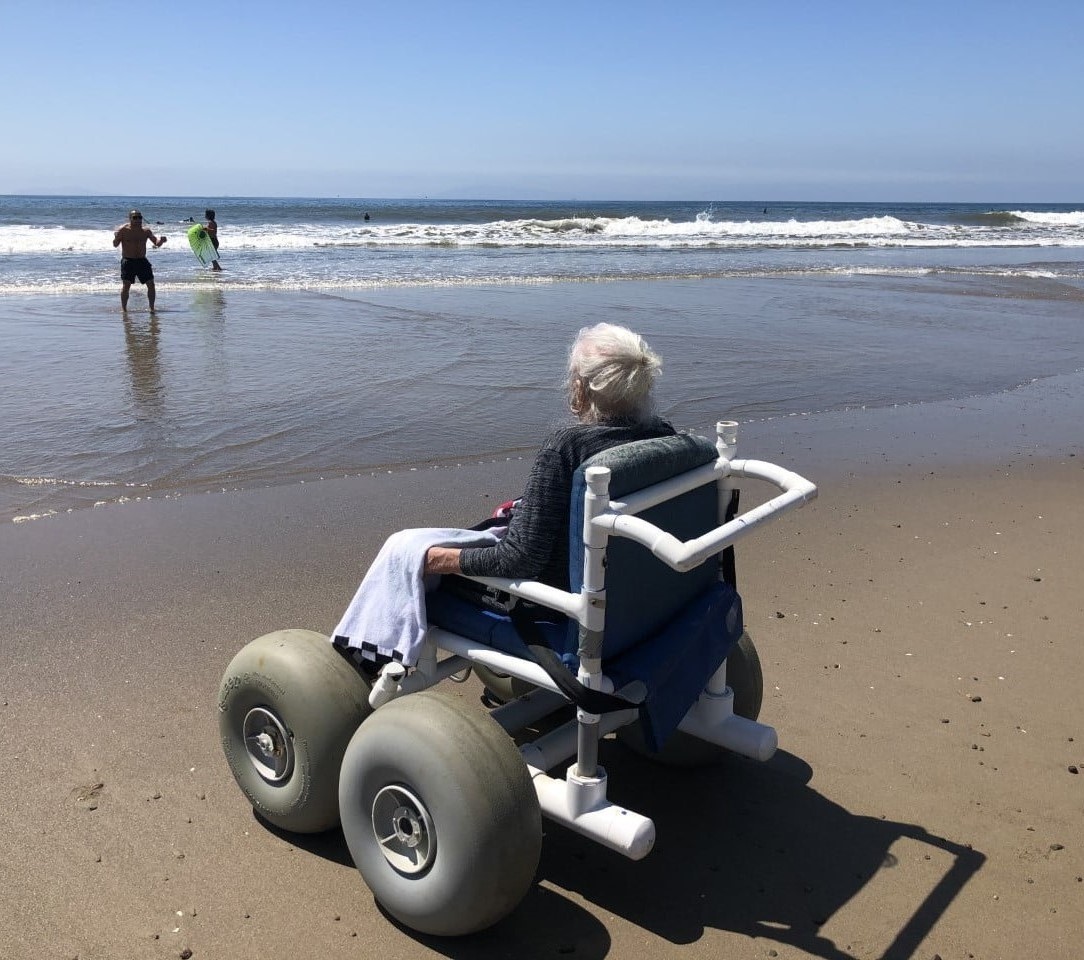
pixel 442 560
pixel 536 526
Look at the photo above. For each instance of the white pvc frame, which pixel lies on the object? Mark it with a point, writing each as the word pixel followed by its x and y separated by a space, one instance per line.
pixel 578 801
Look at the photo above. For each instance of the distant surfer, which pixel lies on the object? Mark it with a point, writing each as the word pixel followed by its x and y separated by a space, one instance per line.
pixel 132 239
pixel 212 231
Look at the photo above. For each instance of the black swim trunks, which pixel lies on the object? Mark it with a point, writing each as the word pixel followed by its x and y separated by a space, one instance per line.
pixel 136 268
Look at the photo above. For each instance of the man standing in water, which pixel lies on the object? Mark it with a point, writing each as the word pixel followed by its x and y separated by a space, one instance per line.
pixel 132 239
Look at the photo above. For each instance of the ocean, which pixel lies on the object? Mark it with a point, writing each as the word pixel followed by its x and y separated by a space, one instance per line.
pixel 63 244
pixel 332 344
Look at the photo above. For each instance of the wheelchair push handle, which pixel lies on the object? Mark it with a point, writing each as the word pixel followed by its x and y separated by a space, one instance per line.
pixel 621 518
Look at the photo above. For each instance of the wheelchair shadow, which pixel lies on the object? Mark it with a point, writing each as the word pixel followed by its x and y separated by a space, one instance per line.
pixel 545 923
pixel 750 848
pixel 743 847
pixel 329 845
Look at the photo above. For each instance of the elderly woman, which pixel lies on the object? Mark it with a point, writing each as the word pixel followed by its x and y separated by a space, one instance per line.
pixel 611 372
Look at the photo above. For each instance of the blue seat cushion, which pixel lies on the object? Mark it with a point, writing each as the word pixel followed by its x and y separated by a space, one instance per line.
pixel 453 612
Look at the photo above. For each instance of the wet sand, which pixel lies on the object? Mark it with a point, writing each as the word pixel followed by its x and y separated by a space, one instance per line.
pixel 918 626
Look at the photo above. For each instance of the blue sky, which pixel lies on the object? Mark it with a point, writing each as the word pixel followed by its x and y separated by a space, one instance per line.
pixel 948 100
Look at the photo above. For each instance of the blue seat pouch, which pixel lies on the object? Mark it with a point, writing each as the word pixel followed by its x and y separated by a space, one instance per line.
pixel 677 662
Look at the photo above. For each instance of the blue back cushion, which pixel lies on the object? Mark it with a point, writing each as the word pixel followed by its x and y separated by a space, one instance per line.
pixel 642 592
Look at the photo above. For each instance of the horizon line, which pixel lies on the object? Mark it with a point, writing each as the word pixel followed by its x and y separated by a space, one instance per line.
pixel 550 200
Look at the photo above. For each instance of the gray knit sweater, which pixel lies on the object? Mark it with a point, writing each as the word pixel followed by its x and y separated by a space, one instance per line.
pixel 536 545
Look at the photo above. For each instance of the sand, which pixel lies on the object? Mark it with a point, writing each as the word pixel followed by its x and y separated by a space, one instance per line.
pixel 919 628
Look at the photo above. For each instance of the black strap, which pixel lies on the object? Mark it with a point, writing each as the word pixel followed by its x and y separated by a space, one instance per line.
pixel 593 701
pixel 730 573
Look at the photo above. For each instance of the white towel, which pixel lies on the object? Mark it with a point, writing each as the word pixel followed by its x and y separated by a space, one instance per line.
pixel 386 619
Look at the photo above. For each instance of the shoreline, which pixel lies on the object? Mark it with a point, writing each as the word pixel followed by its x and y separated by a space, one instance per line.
pixel 242 391
pixel 957 433
pixel 917 626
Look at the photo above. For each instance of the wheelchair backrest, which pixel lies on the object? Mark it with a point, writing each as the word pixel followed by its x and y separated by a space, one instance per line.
pixel 643 593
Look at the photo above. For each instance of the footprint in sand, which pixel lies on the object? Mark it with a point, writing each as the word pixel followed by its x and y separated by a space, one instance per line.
pixel 87 796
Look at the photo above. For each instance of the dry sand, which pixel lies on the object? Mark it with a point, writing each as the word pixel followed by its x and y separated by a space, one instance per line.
pixel 920 631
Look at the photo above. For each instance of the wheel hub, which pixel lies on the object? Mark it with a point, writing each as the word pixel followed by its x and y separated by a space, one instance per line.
pixel 404 830
pixel 269 745
pixel 408 828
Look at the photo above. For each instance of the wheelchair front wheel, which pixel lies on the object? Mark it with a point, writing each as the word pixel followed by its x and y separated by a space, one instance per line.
pixel 440 815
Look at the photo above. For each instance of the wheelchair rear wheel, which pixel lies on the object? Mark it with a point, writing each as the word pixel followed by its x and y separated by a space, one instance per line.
pixel 501 686
pixel 288 706
pixel 745 677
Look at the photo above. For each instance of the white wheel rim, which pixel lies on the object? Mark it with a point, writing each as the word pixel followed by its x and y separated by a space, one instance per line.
pixel 270 748
pixel 404 830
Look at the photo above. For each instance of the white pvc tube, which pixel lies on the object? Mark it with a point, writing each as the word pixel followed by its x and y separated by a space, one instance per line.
pixel 664 490
pixel 490 657
pixel 747 737
pixel 625 831
pixel 683 556
pixel 560 744
pixel 726 439
pixel 570 604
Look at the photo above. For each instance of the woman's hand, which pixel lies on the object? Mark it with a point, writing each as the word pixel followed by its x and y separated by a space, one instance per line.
pixel 442 560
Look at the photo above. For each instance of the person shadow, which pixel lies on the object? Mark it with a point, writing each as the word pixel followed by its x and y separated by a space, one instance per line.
pixel 742 847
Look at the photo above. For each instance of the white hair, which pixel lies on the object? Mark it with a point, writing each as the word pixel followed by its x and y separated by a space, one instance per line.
pixel 611 372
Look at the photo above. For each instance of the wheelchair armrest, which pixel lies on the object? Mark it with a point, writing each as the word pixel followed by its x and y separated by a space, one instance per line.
pixel 570 604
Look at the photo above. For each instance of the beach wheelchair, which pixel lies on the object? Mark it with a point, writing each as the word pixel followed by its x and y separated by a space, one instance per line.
pixel 440 802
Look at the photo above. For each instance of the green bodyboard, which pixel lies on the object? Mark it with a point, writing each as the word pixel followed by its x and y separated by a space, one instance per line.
pixel 202 245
